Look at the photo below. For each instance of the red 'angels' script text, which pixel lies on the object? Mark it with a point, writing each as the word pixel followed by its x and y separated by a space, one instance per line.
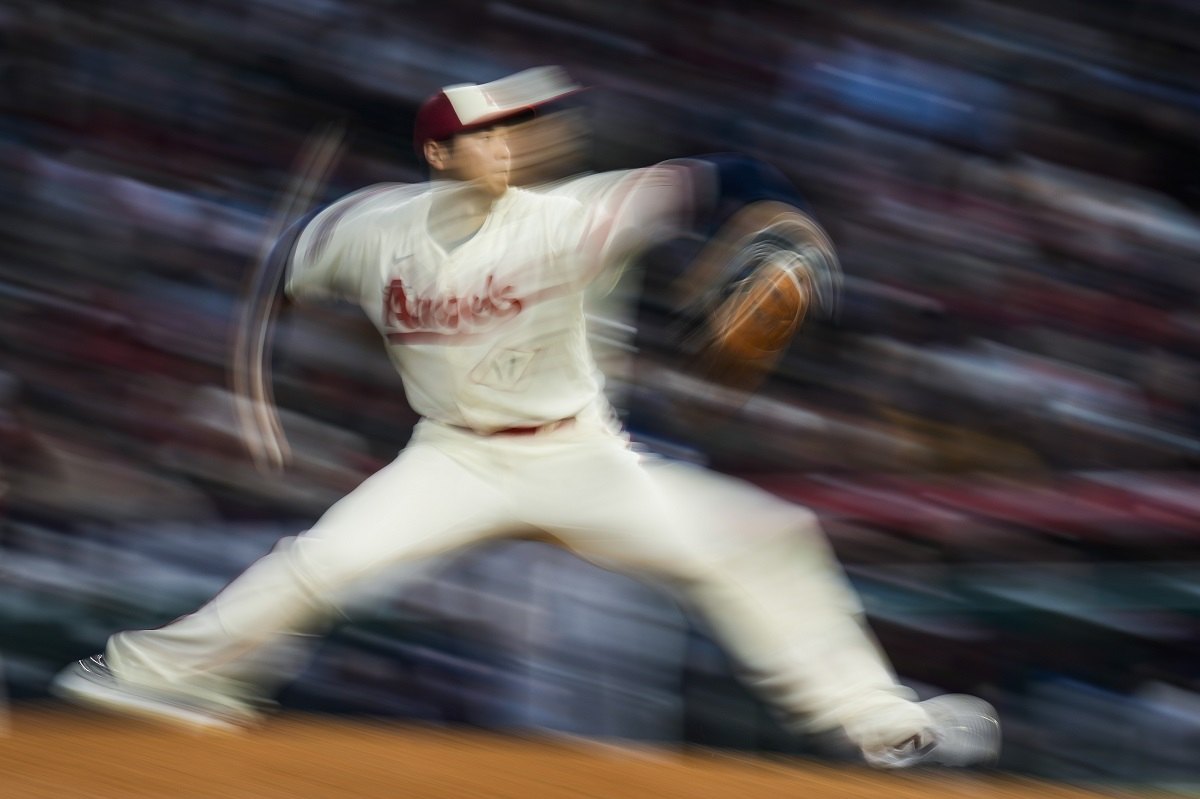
pixel 410 313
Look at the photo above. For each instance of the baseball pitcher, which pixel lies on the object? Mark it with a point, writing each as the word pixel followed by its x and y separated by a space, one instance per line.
pixel 477 290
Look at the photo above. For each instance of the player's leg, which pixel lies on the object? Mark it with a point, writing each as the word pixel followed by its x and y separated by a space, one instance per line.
pixel 775 595
pixel 426 502
pixel 757 568
pixel 773 591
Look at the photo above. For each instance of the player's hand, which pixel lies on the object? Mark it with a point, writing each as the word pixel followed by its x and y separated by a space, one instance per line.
pixel 262 434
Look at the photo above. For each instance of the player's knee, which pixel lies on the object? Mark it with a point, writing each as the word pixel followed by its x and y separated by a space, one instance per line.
pixel 319 569
pixel 802 520
pixel 787 524
pixel 687 569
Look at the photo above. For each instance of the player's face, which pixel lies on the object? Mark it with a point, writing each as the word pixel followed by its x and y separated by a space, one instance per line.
pixel 480 158
pixel 548 147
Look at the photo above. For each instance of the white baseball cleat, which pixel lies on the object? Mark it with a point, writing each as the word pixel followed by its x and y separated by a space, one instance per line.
pixel 90 682
pixel 965 732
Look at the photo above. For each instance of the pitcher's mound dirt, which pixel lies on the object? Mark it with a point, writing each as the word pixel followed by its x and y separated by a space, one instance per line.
pixel 53 753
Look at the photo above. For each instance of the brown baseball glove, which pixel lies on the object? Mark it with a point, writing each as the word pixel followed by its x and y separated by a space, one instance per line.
pixel 751 288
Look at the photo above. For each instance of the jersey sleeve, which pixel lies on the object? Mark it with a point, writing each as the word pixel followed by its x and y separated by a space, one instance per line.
pixel 617 215
pixel 335 249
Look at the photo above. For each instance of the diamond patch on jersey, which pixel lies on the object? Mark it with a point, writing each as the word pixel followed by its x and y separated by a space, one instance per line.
pixel 503 370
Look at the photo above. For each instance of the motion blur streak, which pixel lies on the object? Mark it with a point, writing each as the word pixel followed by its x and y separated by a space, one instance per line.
pixel 999 430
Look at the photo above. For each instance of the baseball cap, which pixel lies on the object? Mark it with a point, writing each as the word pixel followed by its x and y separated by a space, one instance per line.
pixel 466 107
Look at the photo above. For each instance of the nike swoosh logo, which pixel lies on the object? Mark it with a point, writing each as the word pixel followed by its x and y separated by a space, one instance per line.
pixel 399 259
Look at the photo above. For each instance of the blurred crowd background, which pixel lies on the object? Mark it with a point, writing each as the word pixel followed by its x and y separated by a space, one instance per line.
pixel 1000 430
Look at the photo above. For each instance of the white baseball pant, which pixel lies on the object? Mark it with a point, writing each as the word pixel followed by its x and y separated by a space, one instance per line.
pixel 756 567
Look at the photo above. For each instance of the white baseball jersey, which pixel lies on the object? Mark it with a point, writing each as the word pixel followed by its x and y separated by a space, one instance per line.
pixel 489 335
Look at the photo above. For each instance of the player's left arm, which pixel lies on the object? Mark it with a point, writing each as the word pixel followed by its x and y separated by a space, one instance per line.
pixel 766 264
pixel 620 215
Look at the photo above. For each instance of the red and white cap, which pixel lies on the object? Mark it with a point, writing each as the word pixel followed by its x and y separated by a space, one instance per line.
pixel 465 107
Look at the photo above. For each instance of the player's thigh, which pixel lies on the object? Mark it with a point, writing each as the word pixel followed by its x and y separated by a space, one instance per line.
pixel 671 518
pixel 733 520
pixel 757 542
pixel 598 500
pixel 724 511
pixel 422 504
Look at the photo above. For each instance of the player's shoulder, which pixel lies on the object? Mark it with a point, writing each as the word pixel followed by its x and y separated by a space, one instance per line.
pixel 541 205
pixel 356 214
pixel 520 196
pixel 379 199
pixel 587 189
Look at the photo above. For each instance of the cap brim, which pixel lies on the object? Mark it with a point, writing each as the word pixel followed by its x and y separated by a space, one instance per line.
pixel 523 112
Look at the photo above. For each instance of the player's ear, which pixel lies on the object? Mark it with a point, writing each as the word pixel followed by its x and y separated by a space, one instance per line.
pixel 437 154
